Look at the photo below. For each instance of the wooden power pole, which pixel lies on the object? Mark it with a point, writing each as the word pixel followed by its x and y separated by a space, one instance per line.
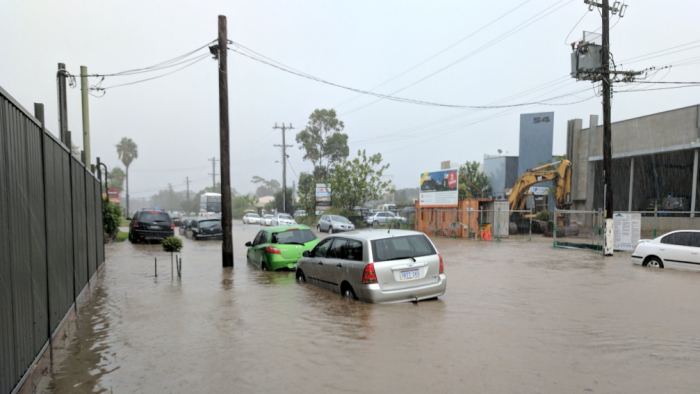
pixel 284 163
pixel 225 160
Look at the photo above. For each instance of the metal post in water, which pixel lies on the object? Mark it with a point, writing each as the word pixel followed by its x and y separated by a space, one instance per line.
pixel 554 228
pixel 155 266
pixel 531 213
pixel 655 219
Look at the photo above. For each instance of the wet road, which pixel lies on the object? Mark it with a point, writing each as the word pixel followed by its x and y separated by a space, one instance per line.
pixel 516 318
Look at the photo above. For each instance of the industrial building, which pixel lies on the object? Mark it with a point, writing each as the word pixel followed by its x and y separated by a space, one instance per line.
pixel 502 172
pixel 655 160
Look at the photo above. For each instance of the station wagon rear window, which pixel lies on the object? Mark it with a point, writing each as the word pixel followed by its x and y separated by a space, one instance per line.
pixel 397 248
pixel 293 237
pixel 152 217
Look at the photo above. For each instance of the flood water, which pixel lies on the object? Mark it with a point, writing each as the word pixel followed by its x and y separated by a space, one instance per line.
pixel 516 318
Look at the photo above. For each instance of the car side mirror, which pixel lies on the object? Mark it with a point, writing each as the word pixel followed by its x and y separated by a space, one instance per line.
pixel 248 244
pixel 306 254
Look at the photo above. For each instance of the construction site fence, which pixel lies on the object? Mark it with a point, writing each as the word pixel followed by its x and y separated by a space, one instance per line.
pixel 658 223
pixel 481 225
pixel 578 229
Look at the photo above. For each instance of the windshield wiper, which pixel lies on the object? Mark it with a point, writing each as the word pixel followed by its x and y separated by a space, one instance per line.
pixel 401 258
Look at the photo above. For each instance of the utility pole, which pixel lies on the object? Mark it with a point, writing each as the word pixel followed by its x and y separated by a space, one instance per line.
pixel 284 163
pixel 227 251
pixel 86 113
pixel 603 75
pixel 171 196
pixel 62 104
pixel 187 181
pixel 213 172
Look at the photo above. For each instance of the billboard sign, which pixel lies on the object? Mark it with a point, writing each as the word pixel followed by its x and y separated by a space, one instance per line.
pixel 113 195
pixel 439 188
pixel 323 198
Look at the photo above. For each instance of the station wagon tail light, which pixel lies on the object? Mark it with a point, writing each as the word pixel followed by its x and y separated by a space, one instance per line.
pixel 136 224
pixel 369 276
pixel 273 250
pixel 442 266
pixel 172 226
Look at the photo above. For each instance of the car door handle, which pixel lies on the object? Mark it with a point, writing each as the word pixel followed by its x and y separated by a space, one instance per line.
pixel 339 265
pixel 320 263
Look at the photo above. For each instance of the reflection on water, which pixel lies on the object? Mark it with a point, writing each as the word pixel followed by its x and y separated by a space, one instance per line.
pixel 515 318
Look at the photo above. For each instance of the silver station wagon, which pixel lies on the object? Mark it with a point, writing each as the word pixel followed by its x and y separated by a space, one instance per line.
pixel 376 266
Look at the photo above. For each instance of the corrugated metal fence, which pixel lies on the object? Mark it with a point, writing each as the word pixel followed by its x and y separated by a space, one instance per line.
pixel 51 239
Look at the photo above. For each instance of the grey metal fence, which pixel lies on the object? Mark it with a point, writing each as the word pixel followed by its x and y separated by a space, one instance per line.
pixel 51 240
pixel 578 229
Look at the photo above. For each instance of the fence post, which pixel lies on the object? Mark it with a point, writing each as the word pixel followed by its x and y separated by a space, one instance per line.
pixel 554 228
pixel 655 219
pixel 69 144
pixel 498 225
pixel 531 213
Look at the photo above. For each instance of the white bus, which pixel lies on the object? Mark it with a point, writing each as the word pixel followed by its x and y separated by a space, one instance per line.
pixel 209 203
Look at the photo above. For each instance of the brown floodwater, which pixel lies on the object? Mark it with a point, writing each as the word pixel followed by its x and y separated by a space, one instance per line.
pixel 516 318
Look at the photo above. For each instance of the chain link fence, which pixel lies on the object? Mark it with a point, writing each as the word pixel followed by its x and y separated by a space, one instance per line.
pixel 578 229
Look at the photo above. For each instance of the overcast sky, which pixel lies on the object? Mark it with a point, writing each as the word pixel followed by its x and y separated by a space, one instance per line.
pixel 361 44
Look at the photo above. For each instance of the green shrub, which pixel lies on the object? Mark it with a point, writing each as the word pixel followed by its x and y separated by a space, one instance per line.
pixel 172 244
pixel 544 215
pixel 111 217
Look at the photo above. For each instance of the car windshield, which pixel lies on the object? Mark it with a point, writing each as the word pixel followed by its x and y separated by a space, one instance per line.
pixel 286 217
pixel 153 217
pixel 401 247
pixel 293 236
pixel 209 223
pixel 340 219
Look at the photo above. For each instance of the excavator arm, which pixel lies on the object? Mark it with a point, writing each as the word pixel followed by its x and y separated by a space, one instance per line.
pixel 561 176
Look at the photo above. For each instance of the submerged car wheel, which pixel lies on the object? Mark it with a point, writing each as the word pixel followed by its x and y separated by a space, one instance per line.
pixel 330 230
pixel 654 262
pixel 263 266
pixel 348 292
pixel 300 276
pixel 318 228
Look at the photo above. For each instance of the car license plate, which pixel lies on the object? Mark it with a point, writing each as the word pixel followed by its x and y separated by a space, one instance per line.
pixel 410 274
pixel 154 227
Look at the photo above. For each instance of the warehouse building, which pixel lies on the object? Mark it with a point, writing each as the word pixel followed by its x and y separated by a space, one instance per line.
pixel 655 162
pixel 502 172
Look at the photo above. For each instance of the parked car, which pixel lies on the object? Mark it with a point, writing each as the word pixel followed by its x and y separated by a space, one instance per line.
pixel 675 203
pixel 150 225
pixel 183 226
pixel 282 219
pixel 376 266
pixel 280 247
pixel 384 218
pixel 204 228
pixel 266 220
pixel 177 220
pixel 299 213
pixel 334 224
pixel 677 249
pixel 251 218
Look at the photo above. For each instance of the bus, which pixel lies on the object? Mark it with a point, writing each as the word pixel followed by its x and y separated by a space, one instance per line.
pixel 209 203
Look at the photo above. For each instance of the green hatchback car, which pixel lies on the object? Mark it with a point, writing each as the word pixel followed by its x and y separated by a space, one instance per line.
pixel 280 247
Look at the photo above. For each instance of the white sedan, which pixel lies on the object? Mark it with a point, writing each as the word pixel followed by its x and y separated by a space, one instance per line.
pixel 266 220
pixel 251 218
pixel 282 219
pixel 677 249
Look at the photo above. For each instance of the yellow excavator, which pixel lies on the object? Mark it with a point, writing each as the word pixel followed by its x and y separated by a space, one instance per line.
pixel 560 174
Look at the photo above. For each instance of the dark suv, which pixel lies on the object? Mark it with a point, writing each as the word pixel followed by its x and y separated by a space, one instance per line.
pixel 150 225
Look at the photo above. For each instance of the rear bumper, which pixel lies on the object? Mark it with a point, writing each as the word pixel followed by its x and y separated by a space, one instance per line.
pixel 372 293
pixel 151 235
pixel 639 260
pixel 278 262
pixel 209 236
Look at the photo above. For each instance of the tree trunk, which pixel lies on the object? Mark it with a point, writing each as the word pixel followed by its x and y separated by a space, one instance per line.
pixel 127 191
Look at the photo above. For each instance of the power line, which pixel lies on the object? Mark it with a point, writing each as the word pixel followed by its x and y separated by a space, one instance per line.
pixel 394 98
pixel 192 62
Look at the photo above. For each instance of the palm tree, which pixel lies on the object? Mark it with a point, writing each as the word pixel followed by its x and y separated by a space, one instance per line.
pixel 128 151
